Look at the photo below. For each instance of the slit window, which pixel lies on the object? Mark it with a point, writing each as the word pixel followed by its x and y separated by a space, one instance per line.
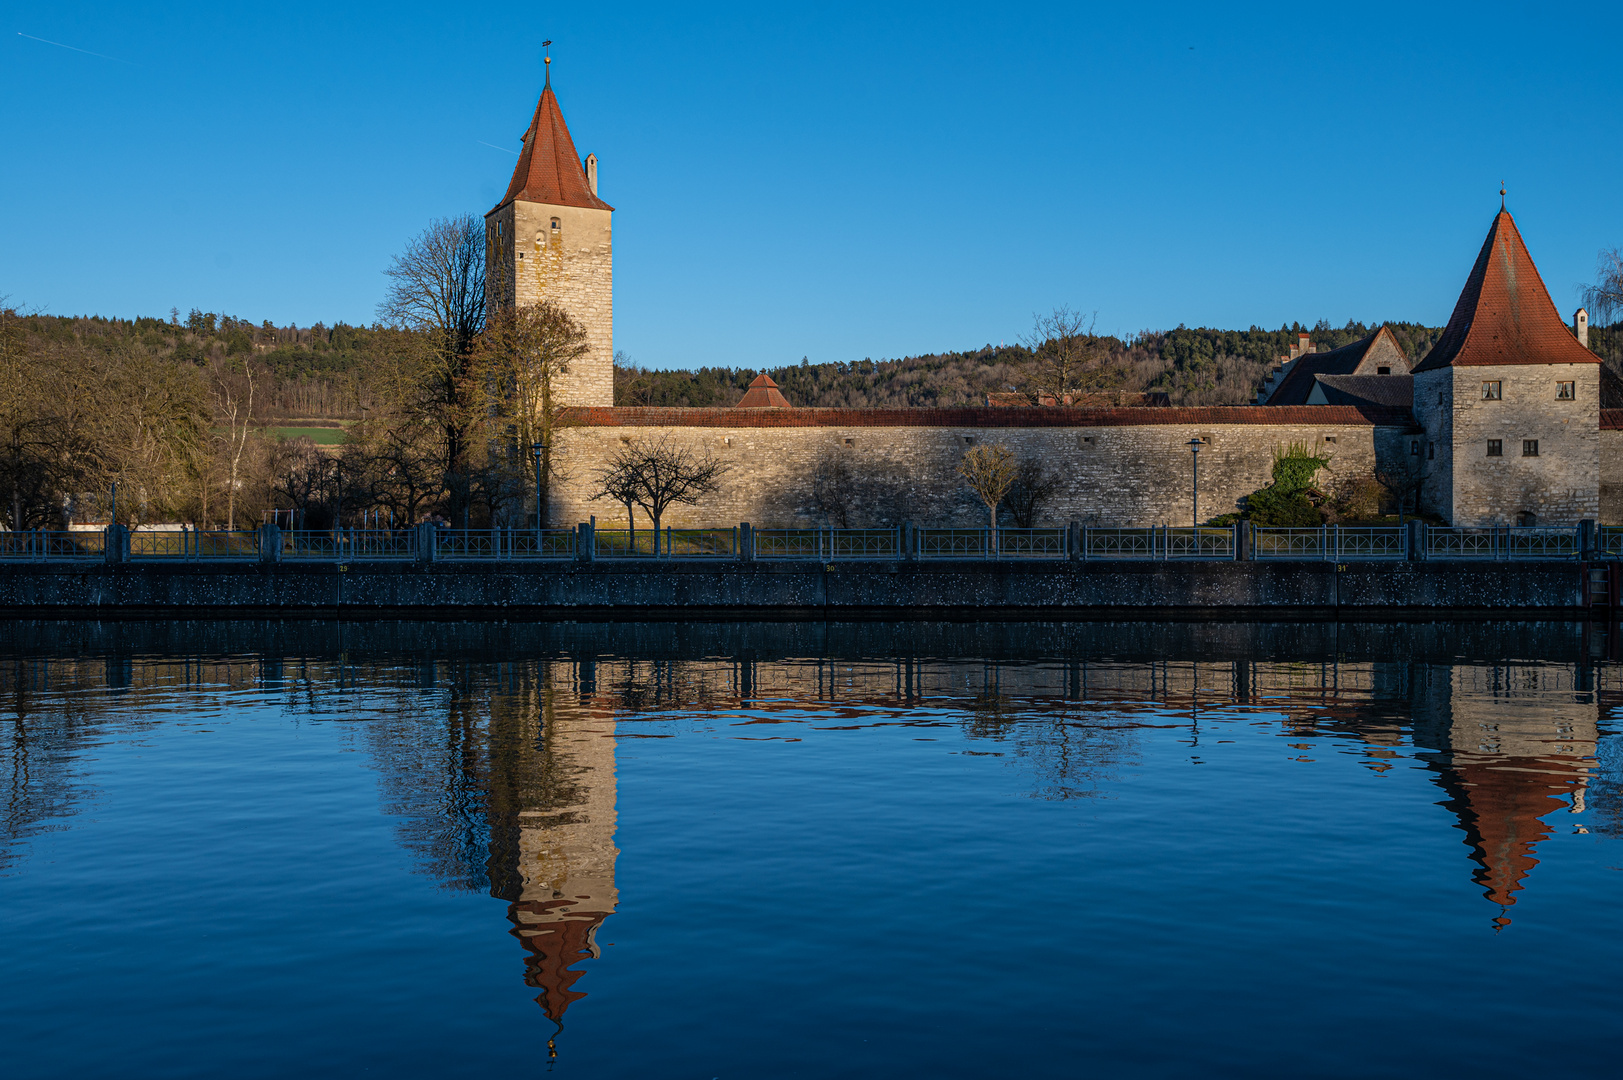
pixel 1493 391
pixel 1529 448
pixel 1414 448
pixel 1566 391
pixel 1496 448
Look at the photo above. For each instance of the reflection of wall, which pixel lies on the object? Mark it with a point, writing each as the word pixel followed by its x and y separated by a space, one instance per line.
pixel 1515 744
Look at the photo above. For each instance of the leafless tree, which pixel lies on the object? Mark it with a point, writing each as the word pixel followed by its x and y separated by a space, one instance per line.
pixel 621 481
pixel 1067 358
pixel 833 487
pixel 990 471
pixel 1034 485
pixel 1604 299
pixel 518 361
pixel 233 395
pixel 659 475
pixel 437 294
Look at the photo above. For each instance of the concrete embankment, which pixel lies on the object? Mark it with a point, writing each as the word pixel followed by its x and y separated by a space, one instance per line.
pixel 1142 589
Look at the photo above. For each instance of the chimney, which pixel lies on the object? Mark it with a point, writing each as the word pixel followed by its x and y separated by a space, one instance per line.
pixel 590 165
pixel 1580 326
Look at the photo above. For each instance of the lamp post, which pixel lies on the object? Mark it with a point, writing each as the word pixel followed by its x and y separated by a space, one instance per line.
pixel 1194 480
pixel 539 449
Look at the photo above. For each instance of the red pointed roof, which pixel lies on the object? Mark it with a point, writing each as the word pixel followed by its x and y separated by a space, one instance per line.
pixel 763 394
pixel 549 170
pixel 1504 314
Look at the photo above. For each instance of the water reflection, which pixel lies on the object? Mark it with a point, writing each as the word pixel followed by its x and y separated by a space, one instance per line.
pixel 496 757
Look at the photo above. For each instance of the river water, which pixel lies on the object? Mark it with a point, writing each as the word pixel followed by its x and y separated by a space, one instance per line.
pixel 712 850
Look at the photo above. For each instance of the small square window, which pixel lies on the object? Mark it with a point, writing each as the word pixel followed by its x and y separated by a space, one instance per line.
pixel 1496 448
pixel 1383 371
pixel 1492 391
pixel 1565 391
pixel 1529 448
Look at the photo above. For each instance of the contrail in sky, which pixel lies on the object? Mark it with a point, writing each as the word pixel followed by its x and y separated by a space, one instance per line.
pixel 493 146
pixel 59 45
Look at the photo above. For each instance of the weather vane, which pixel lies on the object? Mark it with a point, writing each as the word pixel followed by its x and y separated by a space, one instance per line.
pixel 547 60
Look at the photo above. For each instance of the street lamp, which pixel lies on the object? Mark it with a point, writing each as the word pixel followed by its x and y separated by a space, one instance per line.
pixel 539 449
pixel 1194 479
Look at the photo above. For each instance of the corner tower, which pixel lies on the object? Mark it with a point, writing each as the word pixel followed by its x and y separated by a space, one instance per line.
pixel 550 238
pixel 1510 401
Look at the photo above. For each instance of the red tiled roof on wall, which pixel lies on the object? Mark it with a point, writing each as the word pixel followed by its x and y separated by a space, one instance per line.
pixel 1505 314
pixel 996 417
pixel 549 170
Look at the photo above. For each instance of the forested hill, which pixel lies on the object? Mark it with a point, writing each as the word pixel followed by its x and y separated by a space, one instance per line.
pixel 1195 366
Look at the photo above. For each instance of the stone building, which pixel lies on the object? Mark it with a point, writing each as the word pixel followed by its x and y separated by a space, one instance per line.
pixel 551 238
pixel 1502 423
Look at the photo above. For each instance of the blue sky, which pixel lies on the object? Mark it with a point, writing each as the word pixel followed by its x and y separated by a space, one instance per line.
pixel 831 182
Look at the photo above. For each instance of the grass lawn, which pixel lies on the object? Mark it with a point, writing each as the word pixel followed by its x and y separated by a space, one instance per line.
pixel 321 436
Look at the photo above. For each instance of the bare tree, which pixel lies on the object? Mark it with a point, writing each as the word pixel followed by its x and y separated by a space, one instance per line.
pixel 1067 358
pixel 234 408
pixel 833 487
pixel 990 471
pixel 664 475
pixel 1034 485
pixel 437 292
pixel 1604 299
pixel 518 361
pixel 621 481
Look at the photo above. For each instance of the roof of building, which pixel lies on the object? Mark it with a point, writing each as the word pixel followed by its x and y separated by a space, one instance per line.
pixel 1297 383
pixel 995 417
pixel 763 393
pixel 1505 314
pixel 1392 391
pixel 549 170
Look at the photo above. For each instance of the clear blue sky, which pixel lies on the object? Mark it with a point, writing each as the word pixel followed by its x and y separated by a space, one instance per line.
pixel 838 183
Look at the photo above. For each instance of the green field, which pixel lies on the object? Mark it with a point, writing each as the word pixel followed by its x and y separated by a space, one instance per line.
pixel 321 436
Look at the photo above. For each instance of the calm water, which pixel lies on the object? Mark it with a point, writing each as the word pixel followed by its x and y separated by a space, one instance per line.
pixel 807 850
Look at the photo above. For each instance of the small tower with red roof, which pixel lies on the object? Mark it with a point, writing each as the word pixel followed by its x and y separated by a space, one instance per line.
pixel 550 238
pixel 1509 400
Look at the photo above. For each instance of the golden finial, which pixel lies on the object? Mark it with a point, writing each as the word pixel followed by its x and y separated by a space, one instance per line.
pixel 1501 194
pixel 547 60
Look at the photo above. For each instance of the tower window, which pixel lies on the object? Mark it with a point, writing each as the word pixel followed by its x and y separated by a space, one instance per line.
pixel 1565 391
pixel 1496 448
pixel 1431 451
pixel 1383 371
pixel 1529 448
pixel 1414 448
pixel 554 223
pixel 1492 391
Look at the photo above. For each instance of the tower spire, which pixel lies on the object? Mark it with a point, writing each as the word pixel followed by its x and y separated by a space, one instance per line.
pixel 547 61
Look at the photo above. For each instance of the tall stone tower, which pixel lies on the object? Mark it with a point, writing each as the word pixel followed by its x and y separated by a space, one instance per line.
pixel 550 239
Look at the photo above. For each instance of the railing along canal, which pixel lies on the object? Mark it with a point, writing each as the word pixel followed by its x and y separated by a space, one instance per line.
pixel 586 542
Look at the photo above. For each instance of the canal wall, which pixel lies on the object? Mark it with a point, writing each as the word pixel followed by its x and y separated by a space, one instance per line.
pixel 1136 589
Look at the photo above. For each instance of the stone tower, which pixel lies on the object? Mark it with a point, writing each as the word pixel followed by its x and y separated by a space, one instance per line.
pixel 1509 400
pixel 550 239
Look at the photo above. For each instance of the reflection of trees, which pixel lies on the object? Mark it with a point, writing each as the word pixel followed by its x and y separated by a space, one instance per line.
pixel 41 744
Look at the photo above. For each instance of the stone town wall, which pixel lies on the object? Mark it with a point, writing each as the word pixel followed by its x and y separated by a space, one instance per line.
pixel 1129 474
pixel 528 261
pixel 1611 476
pixel 1432 464
pixel 1560 484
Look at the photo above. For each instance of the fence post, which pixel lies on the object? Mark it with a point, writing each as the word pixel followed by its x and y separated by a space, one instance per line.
pixel 746 542
pixel 270 543
pixel 1242 541
pixel 1586 539
pixel 1073 540
pixel 428 539
pixel 1416 541
pixel 910 541
pixel 117 545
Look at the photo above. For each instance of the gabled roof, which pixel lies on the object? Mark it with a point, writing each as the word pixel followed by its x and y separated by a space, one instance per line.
pixel 1360 358
pixel 763 394
pixel 549 170
pixel 1395 391
pixel 1504 314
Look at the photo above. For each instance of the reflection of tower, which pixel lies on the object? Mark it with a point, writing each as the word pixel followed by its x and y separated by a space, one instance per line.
pixel 562 886
pixel 1516 743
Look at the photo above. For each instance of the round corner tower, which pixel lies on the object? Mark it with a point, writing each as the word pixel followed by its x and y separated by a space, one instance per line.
pixel 550 238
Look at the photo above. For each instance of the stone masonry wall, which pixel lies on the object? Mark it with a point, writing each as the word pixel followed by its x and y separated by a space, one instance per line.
pixel 528 261
pixel 1434 464
pixel 1611 477
pixel 1561 484
pixel 1118 475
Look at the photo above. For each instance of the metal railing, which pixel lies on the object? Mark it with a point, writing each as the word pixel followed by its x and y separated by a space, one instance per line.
pixel 1329 542
pixel 828 545
pixel 194 545
pixel 48 545
pixel 672 543
pixel 982 544
pixel 1157 542
pixel 493 545
pixel 1502 542
pixel 344 545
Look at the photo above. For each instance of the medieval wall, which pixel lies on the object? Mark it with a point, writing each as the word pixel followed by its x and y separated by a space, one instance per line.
pixel 1561 483
pixel 862 475
pixel 1611 477
pixel 528 261
pixel 1433 464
